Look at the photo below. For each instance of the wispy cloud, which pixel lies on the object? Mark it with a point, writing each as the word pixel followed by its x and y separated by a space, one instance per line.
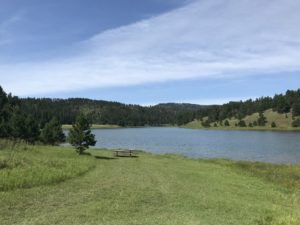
pixel 5 26
pixel 204 39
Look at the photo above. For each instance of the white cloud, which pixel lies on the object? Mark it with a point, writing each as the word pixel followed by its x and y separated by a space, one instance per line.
pixel 204 39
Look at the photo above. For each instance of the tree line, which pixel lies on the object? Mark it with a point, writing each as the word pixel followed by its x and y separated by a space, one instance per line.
pixel 15 124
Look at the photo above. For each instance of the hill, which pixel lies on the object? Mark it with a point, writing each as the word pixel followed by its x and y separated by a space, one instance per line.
pixel 106 112
pixel 283 121
pixel 118 114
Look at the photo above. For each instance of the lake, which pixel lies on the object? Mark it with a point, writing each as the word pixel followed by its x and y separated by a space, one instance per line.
pixel 278 147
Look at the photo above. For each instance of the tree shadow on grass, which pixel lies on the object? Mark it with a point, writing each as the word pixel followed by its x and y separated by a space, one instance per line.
pixel 127 156
pixel 104 157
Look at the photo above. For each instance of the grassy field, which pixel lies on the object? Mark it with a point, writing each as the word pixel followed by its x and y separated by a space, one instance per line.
pixel 149 189
pixel 283 122
pixel 95 126
pixel 28 166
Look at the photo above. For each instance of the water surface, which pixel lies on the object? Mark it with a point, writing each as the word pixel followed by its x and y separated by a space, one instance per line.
pixel 279 147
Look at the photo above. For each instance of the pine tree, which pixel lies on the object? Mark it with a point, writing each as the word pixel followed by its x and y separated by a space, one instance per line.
pixel 24 127
pixel 296 123
pixel 52 133
pixel 32 130
pixel 262 120
pixel 80 135
pixel 226 123
pixel 242 123
pixel 18 125
pixel 296 109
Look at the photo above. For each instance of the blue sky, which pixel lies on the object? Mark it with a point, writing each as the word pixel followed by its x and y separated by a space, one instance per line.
pixel 150 51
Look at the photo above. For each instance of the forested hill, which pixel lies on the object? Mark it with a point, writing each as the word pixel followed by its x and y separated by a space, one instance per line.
pixel 280 103
pixel 105 112
pixel 115 113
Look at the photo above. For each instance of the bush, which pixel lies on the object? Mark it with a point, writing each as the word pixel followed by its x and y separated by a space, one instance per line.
pixel 296 123
pixel 226 123
pixel 273 124
pixel 242 123
pixel 205 123
pixel 296 109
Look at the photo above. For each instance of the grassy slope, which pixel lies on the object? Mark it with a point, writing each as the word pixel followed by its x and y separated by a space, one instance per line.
pixel 154 189
pixel 28 166
pixel 283 122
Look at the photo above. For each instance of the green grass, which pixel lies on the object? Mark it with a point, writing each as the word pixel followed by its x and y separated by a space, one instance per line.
pixel 95 126
pixel 283 123
pixel 154 189
pixel 282 174
pixel 29 166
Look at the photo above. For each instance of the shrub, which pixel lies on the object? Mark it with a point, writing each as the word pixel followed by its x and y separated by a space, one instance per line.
pixel 226 123
pixel 242 123
pixel 296 123
pixel 205 123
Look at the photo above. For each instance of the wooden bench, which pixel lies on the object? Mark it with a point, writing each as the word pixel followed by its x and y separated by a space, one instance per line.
pixel 128 153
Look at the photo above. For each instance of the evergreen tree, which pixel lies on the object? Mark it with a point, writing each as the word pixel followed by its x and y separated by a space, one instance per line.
pixel 24 127
pixel 32 130
pixel 296 108
pixel 262 120
pixel 52 133
pixel 5 114
pixel 205 123
pixel 80 135
pixel 242 123
pixel 226 123
pixel 273 124
pixel 18 126
pixel 296 123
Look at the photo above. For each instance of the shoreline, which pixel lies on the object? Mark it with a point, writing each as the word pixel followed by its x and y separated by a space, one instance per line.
pixel 94 126
pixel 290 129
pixel 109 126
pixel 208 159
